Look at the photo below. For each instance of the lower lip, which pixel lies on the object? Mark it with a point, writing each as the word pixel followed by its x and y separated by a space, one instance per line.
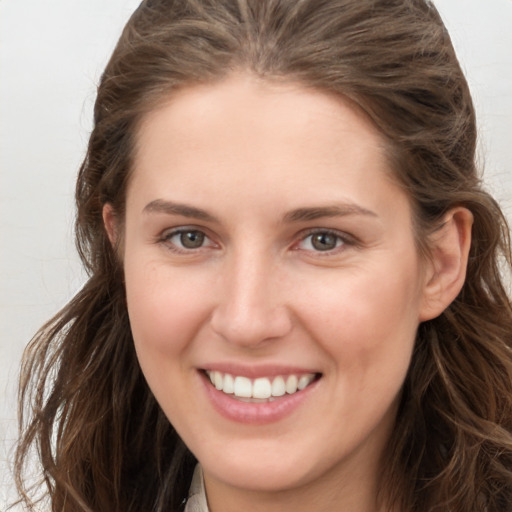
pixel 255 413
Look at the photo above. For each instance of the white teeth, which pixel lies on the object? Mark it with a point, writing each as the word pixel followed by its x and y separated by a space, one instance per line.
pixel 243 387
pixel 291 384
pixel 218 380
pixel 229 384
pixel 261 388
pixel 278 387
pixel 304 381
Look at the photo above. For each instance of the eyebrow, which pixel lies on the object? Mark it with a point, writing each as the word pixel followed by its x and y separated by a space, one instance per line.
pixel 297 215
pixel 318 212
pixel 172 208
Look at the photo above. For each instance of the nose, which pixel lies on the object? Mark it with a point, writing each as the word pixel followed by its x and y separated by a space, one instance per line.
pixel 251 308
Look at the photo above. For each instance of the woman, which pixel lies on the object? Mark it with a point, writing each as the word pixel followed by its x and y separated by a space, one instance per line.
pixel 295 278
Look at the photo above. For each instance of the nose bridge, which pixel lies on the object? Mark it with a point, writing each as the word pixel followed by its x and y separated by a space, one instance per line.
pixel 250 307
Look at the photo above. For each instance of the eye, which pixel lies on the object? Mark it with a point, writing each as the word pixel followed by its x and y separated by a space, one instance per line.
pixel 191 239
pixel 185 239
pixel 322 241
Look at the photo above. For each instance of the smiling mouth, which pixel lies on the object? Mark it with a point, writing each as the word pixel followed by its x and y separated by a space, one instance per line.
pixel 262 389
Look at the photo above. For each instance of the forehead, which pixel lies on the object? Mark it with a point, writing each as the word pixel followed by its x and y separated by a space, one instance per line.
pixel 258 136
pixel 243 100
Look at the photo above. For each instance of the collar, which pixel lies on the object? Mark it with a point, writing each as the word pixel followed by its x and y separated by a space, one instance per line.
pixel 197 494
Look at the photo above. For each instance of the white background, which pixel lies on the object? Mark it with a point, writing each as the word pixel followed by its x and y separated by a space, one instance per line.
pixel 51 55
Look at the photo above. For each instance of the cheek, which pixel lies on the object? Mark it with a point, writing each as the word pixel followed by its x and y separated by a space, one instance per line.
pixel 367 320
pixel 165 309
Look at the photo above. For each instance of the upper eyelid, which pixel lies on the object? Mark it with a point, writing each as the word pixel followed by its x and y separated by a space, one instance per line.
pixel 302 234
pixel 166 234
pixel 347 238
pixel 343 235
pixel 348 241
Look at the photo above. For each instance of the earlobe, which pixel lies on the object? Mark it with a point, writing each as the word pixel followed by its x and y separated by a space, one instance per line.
pixel 446 272
pixel 110 223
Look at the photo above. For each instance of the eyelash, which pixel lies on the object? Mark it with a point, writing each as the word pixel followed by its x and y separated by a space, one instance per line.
pixel 168 235
pixel 343 240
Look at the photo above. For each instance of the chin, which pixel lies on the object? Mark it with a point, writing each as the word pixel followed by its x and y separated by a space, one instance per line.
pixel 266 469
pixel 261 477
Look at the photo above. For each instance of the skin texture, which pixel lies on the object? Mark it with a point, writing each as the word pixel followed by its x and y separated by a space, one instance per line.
pixel 257 293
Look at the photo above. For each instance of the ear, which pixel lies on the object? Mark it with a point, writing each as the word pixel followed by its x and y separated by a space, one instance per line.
pixel 110 223
pixel 446 268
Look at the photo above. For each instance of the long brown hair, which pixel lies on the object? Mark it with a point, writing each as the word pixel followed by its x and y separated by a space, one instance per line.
pixel 101 438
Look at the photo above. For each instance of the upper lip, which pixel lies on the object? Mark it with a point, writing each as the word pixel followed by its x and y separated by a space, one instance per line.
pixel 256 371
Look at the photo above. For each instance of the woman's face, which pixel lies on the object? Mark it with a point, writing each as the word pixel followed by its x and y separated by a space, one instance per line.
pixel 267 249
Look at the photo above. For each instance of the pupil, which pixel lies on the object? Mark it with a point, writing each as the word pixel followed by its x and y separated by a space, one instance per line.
pixel 192 239
pixel 324 241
